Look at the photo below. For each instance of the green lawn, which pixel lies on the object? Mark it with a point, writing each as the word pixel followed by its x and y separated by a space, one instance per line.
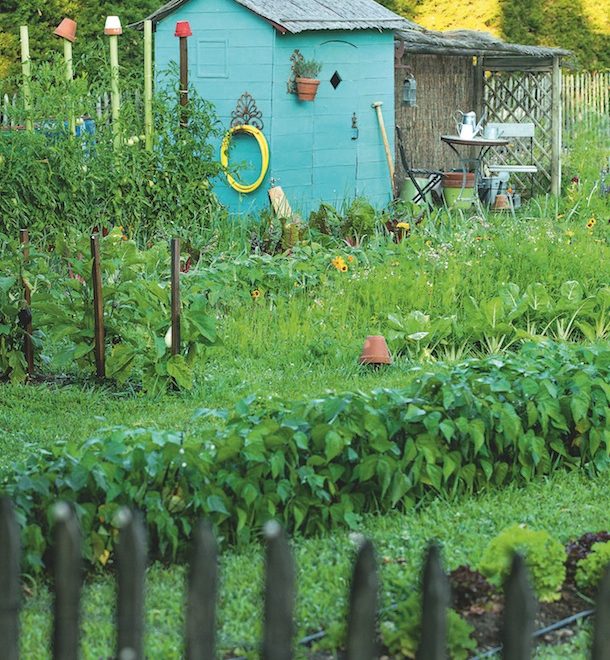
pixel 296 346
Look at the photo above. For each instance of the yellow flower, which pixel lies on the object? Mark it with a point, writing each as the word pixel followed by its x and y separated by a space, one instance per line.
pixel 255 294
pixel 591 222
pixel 343 268
pixel 351 258
pixel 104 557
pixel 403 225
pixel 339 263
pixel 569 233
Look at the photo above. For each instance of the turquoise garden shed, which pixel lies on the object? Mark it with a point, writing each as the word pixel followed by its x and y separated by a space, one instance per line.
pixel 329 150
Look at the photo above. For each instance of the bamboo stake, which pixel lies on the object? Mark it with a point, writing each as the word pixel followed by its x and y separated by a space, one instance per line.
pixel 98 307
pixel 69 80
pixel 112 30
pixel 28 347
pixel 26 69
pixel 175 295
pixel 148 85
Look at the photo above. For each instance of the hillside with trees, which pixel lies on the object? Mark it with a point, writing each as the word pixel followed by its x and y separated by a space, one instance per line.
pixel 580 25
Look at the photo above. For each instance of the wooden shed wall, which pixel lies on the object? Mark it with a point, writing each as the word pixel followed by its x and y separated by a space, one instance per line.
pixel 445 84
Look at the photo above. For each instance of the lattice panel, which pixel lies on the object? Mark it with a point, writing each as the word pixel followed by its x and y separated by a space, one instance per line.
pixel 522 97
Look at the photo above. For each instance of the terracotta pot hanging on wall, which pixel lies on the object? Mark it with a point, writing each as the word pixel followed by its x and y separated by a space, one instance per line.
pixel 307 88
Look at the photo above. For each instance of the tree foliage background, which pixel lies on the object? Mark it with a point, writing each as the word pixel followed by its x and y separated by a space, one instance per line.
pixel 580 25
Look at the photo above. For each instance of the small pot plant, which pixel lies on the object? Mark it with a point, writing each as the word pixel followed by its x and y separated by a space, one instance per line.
pixel 305 72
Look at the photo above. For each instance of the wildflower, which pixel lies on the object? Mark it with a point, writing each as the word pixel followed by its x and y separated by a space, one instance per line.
pixel 351 258
pixel 343 268
pixel 403 225
pixel 591 222
pixel 569 233
pixel 255 294
pixel 339 263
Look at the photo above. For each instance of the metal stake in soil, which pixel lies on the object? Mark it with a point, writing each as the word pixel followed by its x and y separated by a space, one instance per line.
pixel 98 306
pixel 175 301
pixel 26 312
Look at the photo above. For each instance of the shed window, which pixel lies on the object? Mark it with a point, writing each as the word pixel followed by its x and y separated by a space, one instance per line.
pixel 336 79
pixel 212 59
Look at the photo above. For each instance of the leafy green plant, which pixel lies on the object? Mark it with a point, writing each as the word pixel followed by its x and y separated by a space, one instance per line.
pixel 322 463
pixel 360 219
pixel 137 315
pixel 590 570
pixel 544 556
pixel 50 181
pixel 303 68
pixel 401 631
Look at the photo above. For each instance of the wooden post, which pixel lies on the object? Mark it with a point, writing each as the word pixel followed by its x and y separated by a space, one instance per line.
pixel 435 600
pixel 26 69
pixel 131 569
pixel 519 610
pixel 175 295
pixel 67 570
pixel 69 80
pixel 10 581
pixel 556 128
pixel 386 144
pixel 184 80
pixel 362 618
pixel 28 347
pixel 98 307
pixel 279 595
pixel 148 84
pixel 601 629
pixel 183 31
pixel 202 589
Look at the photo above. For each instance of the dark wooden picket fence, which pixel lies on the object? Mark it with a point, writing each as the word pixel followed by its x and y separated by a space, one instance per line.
pixel 279 596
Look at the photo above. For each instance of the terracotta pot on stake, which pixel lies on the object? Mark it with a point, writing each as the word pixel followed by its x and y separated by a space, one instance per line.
pixel 375 351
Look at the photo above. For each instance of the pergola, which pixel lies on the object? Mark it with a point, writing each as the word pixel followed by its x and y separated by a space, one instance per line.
pixel 469 70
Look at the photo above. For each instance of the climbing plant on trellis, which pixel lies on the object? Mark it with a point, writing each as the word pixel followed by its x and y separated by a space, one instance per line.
pixel 522 97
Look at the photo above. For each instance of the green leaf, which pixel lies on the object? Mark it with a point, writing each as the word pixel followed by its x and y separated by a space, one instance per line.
pixel 180 371
pixel 334 445
pixel 215 504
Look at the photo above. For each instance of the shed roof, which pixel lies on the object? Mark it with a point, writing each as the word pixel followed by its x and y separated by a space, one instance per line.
pixel 303 15
pixel 470 42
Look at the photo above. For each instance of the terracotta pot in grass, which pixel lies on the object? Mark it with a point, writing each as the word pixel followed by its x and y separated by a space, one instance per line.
pixel 375 351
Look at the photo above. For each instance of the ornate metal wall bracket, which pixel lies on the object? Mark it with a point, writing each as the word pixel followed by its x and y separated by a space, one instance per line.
pixel 247 113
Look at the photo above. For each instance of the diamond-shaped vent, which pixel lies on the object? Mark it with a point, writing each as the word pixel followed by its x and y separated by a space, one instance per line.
pixel 335 81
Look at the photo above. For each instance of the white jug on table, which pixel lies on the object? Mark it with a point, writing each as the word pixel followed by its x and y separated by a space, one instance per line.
pixel 468 128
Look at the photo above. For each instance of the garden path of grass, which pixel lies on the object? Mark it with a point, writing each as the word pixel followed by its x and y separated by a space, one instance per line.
pixel 566 505
pixel 34 416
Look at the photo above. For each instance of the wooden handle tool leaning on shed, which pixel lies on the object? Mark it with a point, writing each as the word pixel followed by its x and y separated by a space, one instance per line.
pixel 386 145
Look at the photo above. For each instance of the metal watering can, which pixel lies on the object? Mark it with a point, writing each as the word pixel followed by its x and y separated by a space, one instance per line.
pixel 467 126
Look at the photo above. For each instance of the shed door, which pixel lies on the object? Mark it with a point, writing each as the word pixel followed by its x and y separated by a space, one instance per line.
pixel 335 152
